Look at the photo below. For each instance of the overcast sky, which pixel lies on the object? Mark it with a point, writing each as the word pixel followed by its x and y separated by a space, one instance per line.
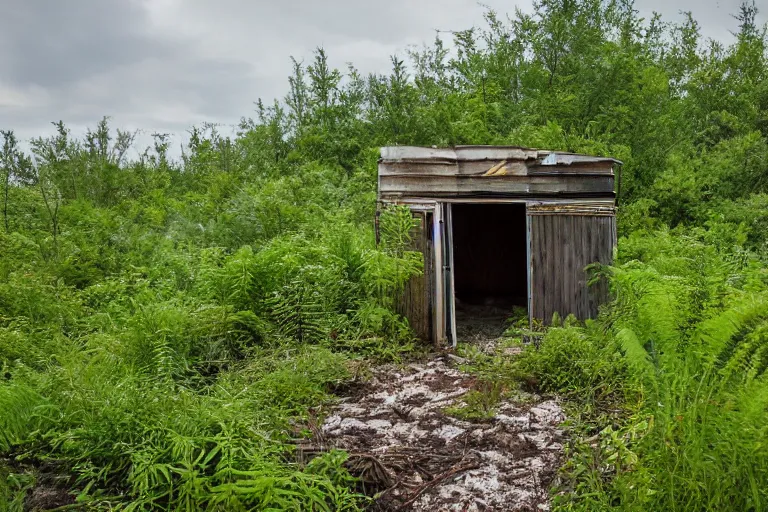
pixel 165 65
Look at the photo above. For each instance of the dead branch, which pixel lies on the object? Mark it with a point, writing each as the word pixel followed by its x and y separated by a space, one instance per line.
pixel 439 478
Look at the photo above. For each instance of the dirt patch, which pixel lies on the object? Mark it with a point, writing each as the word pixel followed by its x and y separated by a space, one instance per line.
pixel 406 450
pixel 479 324
pixel 47 497
pixel 483 325
pixel 45 485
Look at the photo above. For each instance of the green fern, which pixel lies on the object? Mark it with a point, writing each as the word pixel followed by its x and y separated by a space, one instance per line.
pixel 745 357
pixel 297 312
pixel 637 354
pixel 19 404
pixel 735 342
pixel 396 225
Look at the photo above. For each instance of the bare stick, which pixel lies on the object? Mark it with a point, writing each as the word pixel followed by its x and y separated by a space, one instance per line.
pixel 439 478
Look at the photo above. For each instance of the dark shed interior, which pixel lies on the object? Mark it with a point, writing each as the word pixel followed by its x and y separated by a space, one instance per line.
pixel 490 263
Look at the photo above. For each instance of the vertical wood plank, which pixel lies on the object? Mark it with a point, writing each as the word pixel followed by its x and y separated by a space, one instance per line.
pixel 413 302
pixel 562 246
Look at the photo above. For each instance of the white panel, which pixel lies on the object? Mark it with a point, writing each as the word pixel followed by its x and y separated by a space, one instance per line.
pixel 450 292
pixel 438 307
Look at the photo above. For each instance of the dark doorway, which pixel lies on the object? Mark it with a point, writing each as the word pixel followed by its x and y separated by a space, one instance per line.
pixel 490 268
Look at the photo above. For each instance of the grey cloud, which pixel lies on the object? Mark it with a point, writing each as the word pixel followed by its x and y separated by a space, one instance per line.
pixel 715 17
pixel 317 22
pixel 53 43
pixel 165 65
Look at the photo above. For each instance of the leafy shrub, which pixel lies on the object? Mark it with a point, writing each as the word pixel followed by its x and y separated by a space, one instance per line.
pixel 176 448
pixel 686 333
pixel 576 361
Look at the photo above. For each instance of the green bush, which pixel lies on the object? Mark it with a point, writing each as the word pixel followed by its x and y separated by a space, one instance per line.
pixel 687 331
pixel 167 324
pixel 577 361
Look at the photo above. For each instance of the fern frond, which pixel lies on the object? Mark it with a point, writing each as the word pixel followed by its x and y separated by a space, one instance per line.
pixel 634 351
pixel 19 404
pixel 746 357
pixel 298 313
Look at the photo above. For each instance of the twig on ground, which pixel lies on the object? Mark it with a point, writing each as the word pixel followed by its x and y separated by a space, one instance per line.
pixel 439 478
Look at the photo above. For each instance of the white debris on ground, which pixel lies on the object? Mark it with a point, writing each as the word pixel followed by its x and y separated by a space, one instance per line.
pixel 404 446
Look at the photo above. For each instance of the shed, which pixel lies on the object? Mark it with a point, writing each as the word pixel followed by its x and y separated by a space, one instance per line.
pixel 501 225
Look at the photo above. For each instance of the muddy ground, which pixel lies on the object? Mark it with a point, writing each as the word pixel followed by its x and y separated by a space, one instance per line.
pixel 413 456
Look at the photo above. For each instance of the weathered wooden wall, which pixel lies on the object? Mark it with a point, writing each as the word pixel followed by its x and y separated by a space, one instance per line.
pixel 561 185
pixel 563 242
pixel 491 171
pixel 414 302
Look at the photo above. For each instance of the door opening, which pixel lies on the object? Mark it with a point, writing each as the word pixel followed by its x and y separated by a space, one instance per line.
pixel 490 268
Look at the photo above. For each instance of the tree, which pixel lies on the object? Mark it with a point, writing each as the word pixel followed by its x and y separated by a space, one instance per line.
pixel 17 170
